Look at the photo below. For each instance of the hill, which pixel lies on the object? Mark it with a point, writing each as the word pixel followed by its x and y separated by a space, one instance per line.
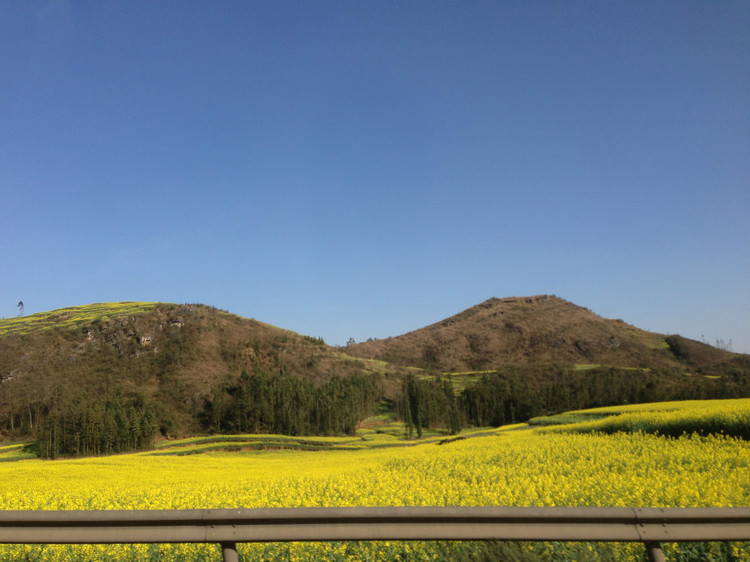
pixel 533 331
pixel 517 358
pixel 104 377
pixel 172 356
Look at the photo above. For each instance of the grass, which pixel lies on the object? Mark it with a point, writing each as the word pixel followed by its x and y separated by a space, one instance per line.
pixel 591 366
pixel 459 380
pixel 15 452
pixel 369 365
pixel 649 339
pixel 565 418
pixel 467 378
pixel 254 442
pixel 585 366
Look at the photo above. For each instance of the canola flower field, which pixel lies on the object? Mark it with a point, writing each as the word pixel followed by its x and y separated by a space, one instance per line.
pixel 705 417
pixel 513 465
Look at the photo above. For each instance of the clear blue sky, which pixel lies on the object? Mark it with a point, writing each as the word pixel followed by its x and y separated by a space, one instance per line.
pixel 362 169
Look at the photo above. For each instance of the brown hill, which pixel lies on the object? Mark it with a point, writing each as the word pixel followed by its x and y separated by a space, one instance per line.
pixel 173 355
pixel 535 330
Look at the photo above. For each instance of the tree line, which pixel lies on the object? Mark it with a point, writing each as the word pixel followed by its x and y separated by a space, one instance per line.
pixel 429 403
pixel 279 402
pixel 104 426
pixel 521 393
pixel 282 403
pixel 257 403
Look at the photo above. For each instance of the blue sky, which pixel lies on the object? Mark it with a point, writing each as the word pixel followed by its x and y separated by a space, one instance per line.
pixel 363 169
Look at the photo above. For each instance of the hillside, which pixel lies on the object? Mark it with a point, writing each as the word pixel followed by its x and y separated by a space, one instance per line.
pixel 104 377
pixel 173 356
pixel 534 331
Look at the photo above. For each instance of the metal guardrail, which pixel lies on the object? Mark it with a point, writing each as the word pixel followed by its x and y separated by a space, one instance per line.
pixel 651 526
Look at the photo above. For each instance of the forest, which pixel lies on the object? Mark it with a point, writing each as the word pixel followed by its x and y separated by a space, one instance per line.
pixel 521 393
pixel 101 427
pixel 282 403
pixel 287 404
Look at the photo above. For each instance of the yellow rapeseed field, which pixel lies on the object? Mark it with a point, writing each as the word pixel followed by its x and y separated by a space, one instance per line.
pixel 511 466
pixel 705 417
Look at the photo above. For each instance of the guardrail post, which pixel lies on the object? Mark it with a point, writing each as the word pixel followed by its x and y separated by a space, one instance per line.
pixel 654 551
pixel 229 552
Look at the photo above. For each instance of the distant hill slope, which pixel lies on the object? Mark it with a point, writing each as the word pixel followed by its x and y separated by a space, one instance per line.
pixel 535 330
pixel 173 355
